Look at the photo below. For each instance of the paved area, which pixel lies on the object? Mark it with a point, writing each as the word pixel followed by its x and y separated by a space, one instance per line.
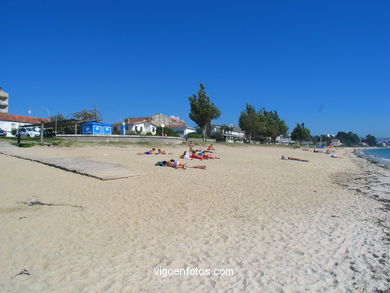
pixel 99 170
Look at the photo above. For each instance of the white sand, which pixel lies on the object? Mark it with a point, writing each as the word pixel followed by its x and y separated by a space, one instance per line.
pixel 282 226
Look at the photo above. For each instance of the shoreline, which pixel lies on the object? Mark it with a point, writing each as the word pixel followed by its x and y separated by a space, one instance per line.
pixel 376 182
pixel 382 162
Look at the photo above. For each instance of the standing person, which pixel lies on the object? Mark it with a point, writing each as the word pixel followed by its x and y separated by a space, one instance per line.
pixel 190 147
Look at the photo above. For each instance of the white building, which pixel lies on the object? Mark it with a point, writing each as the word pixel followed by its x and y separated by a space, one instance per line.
pixel 182 130
pixel 150 124
pixel 142 127
pixel 3 101
pixel 284 139
pixel 9 122
pixel 232 134
pixel 336 142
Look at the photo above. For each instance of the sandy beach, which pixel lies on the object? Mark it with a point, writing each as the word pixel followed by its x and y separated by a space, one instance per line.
pixel 281 226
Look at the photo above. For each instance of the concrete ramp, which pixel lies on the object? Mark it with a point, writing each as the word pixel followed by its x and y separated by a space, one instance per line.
pixel 96 169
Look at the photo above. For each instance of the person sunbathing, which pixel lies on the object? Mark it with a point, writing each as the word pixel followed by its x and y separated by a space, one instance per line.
pixel 177 165
pixel 150 152
pixel 297 159
pixel 207 156
pixel 162 152
pixel 210 149
pixel 195 155
pixel 293 159
pixel 335 157
pixel 185 155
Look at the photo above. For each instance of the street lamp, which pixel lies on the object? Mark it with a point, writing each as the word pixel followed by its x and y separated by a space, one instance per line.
pixel 48 112
pixel 162 129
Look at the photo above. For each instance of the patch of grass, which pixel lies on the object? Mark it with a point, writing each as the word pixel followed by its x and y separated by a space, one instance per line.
pixel 24 145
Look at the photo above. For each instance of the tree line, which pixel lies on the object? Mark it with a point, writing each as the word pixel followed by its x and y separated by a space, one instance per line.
pixel 262 124
pixel 257 124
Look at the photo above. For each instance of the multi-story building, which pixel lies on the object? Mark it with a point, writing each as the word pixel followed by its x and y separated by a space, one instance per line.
pixel 3 101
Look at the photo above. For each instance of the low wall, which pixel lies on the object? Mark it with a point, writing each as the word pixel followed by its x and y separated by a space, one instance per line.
pixel 200 139
pixel 122 138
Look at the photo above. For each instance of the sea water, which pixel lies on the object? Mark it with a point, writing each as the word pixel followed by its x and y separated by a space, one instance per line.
pixel 381 155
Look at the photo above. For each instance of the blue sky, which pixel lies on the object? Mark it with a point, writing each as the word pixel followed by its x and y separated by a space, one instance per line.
pixel 325 63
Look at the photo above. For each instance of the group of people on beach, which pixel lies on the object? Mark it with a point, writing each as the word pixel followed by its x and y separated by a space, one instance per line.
pixel 199 154
pixel 329 151
pixel 154 152
pixel 192 153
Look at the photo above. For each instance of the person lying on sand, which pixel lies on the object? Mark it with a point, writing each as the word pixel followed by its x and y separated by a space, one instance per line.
pixel 195 155
pixel 203 156
pixel 335 157
pixel 210 149
pixel 162 152
pixel 150 152
pixel 293 159
pixel 207 156
pixel 177 165
pixel 185 155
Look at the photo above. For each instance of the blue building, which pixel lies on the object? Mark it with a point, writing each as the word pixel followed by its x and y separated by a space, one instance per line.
pixel 96 128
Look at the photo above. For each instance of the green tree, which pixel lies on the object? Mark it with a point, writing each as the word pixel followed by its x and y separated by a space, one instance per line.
pixel 371 140
pixel 250 122
pixel 323 138
pixel 57 117
pixel 273 125
pixel 203 111
pixel 348 139
pixel 167 131
pixel 300 133
pixel 88 115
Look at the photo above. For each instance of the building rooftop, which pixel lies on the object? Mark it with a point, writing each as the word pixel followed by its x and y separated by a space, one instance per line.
pixel 23 119
pixel 136 120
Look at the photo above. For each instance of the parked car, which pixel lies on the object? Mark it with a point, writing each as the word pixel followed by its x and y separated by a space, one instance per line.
pixel 28 132
pixel 3 132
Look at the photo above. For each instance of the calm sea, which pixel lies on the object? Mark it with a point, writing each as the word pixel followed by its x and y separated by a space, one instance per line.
pixel 381 155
